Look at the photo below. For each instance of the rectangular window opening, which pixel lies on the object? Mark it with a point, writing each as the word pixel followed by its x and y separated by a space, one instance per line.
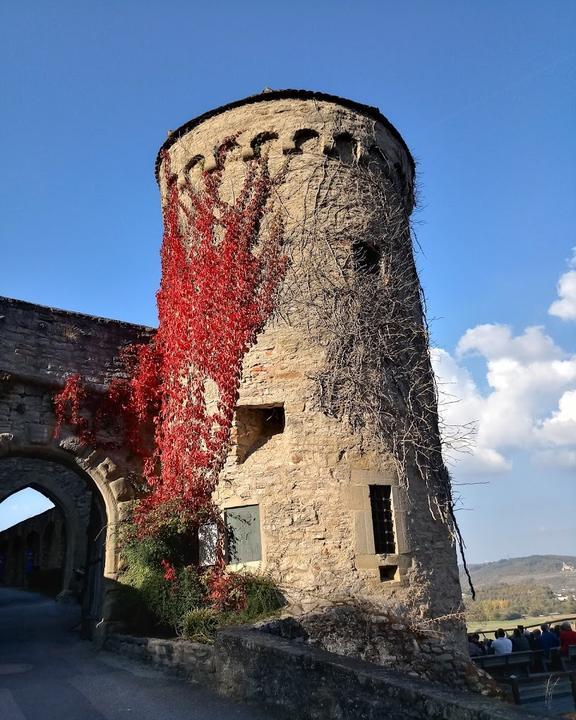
pixel 388 572
pixel 255 426
pixel 382 519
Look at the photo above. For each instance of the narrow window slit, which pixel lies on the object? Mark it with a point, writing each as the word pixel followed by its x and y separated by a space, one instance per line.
pixel 382 519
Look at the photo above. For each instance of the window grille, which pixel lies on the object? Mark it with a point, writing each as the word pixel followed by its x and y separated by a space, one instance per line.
pixel 382 519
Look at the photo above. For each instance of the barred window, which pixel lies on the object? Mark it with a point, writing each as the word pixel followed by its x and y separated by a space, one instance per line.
pixel 382 519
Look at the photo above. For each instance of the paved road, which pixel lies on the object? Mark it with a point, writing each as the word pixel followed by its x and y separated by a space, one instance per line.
pixel 47 673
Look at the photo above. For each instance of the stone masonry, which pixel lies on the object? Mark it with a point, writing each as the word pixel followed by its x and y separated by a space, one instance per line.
pixel 311 479
pixel 32 552
pixel 39 348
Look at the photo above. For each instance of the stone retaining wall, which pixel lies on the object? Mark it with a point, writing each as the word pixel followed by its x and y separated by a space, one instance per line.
pixel 303 683
pixel 194 660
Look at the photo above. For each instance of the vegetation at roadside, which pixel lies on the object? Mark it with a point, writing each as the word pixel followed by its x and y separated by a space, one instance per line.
pixel 160 594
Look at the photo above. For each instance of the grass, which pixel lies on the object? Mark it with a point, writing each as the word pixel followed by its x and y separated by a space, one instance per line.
pixel 491 625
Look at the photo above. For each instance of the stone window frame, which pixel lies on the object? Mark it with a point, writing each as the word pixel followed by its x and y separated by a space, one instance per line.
pixel 236 502
pixel 357 500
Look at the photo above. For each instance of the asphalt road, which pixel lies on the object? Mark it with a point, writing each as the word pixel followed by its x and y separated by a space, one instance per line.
pixel 48 673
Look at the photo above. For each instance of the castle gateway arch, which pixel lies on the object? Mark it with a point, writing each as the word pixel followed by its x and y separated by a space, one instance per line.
pixel 39 348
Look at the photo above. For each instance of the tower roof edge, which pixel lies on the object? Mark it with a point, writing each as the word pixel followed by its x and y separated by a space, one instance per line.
pixel 269 95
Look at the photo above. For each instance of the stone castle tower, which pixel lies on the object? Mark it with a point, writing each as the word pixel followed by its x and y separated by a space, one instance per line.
pixel 334 483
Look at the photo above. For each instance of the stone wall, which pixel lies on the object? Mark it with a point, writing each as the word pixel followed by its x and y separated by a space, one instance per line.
pixel 367 633
pixel 39 348
pixel 33 552
pixel 302 683
pixel 44 345
pixel 194 660
pixel 309 684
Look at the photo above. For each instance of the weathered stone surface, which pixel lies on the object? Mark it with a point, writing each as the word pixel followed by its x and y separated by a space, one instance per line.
pixel 46 344
pixel 39 348
pixel 194 660
pixel 309 684
pixel 358 631
pixel 302 683
pixel 311 481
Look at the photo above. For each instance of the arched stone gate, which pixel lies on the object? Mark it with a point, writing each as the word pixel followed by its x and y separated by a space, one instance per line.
pixel 70 492
pixel 39 348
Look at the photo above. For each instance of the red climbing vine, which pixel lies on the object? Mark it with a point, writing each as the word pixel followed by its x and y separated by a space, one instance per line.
pixel 221 269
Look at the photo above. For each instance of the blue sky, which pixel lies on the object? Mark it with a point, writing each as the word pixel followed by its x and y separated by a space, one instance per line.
pixel 484 95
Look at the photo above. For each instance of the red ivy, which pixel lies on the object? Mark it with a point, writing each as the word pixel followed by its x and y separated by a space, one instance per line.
pixel 220 276
pixel 169 571
pixel 68 404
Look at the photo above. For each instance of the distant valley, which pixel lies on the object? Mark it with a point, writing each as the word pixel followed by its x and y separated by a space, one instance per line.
pixel 516 588
pixel 558 572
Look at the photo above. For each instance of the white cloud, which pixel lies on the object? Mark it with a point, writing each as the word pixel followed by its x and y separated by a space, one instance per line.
pixel 560 427
pixel 461 410
pixel 529 404
pixel 565 306
pixel 496 342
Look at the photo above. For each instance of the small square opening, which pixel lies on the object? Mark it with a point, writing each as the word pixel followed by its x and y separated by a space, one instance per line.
pixel 255 426
pixel 388 572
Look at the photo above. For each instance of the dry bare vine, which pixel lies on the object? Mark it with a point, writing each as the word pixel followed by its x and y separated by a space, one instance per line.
pixel 368 312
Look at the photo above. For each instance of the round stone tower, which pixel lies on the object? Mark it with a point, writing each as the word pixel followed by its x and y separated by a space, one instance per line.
pixel 334 482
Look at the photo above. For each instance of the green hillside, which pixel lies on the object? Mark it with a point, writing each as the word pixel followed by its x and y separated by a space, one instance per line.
pixel 558 572
pixel 519 587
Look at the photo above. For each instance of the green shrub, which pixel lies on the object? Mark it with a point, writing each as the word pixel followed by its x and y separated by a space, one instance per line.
pixel 263 596
pixel 149 602
pixel 200 625
pixel 263 599
pixel 166 600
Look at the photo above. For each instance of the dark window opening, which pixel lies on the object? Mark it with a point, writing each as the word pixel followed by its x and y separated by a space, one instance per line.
pixel 196 163
pixel 346 148
pixel 243 542
pixel 388 572
pixel 255 426
pixel 366 257
pixel 382 519
pixel 305 141
pixel 260 140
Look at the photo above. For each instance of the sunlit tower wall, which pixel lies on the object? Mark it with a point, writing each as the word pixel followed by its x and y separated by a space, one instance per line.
pixel 334 481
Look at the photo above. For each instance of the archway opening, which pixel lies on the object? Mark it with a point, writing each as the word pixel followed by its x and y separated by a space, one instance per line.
pixel 60 550
pixel 32 542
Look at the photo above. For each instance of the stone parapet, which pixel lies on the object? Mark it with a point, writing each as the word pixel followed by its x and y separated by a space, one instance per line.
pixel 301 683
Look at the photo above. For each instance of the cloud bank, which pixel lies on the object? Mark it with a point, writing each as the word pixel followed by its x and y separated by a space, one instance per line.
pixel 525 399
pixel 565 306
